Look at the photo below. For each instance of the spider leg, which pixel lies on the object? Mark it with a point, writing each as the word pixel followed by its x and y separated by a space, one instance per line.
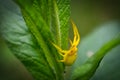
pixel 78 37
pixel 61 60
pixel 59 49
pixel 74 30
pixel 61 54
pixel 76 34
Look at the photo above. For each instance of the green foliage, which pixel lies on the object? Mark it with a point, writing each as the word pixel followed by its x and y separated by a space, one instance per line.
pixel 87 70
pixel 44 21
pixel 86 65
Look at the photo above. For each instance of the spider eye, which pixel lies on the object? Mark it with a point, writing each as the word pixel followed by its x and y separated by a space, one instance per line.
pixel 71 53
pixel 73 46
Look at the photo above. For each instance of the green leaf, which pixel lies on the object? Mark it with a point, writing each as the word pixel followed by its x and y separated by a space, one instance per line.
pixel 85 66
pixel 87 70
pixel 45 21
pixel 11 68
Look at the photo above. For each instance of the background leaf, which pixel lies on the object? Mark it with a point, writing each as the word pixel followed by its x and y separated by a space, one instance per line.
pixel 10 65
pixel 87 70
pixel 88 15
pixel 93 42
pixel 30 41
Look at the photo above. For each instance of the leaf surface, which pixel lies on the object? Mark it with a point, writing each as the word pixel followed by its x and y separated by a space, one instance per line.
pixel 93 48
pixel 29 35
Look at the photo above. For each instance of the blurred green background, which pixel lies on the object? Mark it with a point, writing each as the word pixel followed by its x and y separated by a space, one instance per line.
pixel 98 23
pixel 89 14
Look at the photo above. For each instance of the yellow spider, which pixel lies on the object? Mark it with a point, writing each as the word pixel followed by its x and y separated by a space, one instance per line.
pixel 69 56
